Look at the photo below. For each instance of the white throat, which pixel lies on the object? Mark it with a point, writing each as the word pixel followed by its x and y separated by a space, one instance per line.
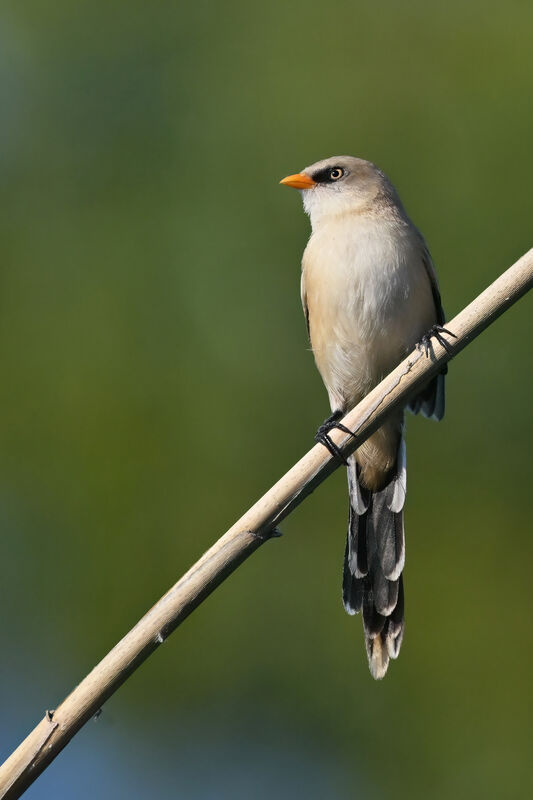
pixel 325 203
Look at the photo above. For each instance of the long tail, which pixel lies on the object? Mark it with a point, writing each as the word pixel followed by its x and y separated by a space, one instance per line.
pixel 373 563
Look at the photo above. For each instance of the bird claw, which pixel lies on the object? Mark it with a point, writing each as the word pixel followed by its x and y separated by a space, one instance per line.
pixel 322 436
pixel 435 332
pixel 272 533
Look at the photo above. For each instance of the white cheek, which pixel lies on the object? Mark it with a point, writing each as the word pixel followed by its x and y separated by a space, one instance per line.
pixel 326 201
pixel 309 200
pixel 319 200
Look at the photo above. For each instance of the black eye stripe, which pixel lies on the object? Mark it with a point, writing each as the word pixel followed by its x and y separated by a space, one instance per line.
pixel 325 175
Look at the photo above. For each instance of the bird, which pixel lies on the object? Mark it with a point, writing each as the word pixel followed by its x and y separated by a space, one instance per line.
pixel 370 295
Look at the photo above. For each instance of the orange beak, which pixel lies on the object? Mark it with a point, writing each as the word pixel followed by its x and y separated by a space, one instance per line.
pixel 299 181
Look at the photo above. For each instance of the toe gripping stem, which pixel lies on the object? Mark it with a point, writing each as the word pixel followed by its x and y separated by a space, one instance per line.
pixel 272 533
pixel 322 435
pixel 435 333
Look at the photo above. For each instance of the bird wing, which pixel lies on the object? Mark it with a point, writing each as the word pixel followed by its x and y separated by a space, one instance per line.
pixel 430 401
pixel 303 295
pixel 432 275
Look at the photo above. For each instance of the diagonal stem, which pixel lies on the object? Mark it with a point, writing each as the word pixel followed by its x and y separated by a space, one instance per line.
pixel 257 525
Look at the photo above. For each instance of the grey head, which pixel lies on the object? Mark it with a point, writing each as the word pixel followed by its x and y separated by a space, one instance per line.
pixel 343 184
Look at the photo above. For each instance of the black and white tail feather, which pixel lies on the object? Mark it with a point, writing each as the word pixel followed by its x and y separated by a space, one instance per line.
pixel 375 547
pixel 373 563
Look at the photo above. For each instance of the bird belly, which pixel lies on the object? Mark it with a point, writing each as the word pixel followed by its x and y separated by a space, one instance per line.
pixel 369 301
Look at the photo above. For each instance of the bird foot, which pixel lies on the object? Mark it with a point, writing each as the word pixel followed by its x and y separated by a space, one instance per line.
pixel 322 435
pixel 435 332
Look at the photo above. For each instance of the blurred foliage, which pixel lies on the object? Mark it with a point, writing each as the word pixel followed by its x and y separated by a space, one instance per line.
pixel 156 377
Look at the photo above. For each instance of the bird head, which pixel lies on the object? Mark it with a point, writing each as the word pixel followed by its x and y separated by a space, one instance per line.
pixel 339 185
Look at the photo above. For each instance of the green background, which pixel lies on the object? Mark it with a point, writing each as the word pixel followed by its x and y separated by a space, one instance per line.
pixel 156 380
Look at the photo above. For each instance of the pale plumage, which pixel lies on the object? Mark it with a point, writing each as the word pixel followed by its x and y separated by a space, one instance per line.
pixel 369 294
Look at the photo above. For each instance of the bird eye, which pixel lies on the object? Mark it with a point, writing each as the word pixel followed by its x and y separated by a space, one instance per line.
pixel 335 173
